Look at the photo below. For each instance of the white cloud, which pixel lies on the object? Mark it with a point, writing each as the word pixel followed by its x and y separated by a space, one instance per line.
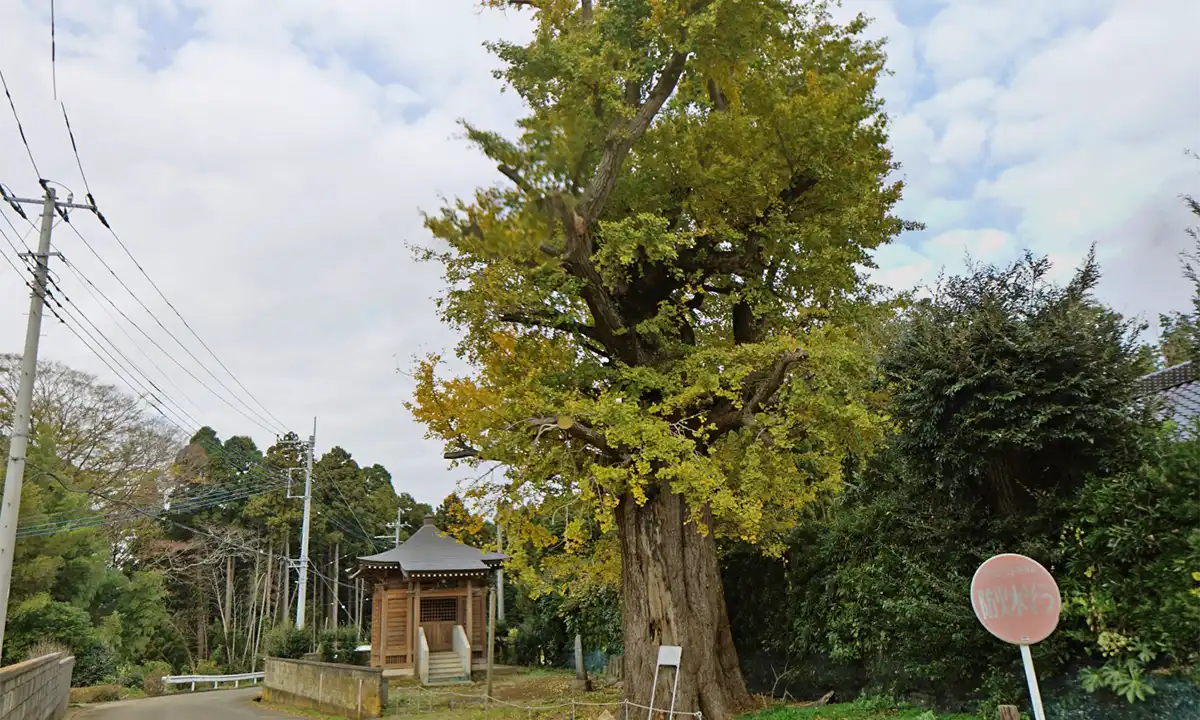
pixel 265 163
pixel 981 245
pixel 1062 124
pixel 269 189
pixel 962 142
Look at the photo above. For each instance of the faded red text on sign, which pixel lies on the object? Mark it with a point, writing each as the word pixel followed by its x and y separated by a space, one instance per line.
pixel 1016 599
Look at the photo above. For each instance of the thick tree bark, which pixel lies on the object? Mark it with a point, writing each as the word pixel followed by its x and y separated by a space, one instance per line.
pixel 673 595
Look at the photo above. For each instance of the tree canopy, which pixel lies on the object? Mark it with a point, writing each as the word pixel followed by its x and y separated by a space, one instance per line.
pixel 663 302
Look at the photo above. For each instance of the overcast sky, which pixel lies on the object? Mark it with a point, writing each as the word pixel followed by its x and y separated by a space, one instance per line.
pixel 266 162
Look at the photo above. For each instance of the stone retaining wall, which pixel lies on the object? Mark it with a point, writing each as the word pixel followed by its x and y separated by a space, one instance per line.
pixel 359 692
pixel 36 689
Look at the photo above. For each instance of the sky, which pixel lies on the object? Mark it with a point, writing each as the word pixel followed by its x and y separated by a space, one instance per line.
pixel 266 165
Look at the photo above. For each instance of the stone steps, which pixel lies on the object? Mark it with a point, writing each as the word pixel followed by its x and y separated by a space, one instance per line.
pixel 445 668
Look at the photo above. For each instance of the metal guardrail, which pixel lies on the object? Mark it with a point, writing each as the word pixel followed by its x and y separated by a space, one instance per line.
pixel 237 680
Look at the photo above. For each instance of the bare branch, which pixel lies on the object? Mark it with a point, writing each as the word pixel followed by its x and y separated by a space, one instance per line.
pixel 572 428
pixel 760 387
pixel 771 384
pixel 624 135
pixel 579 431
pixel 551 322
pixel 513 174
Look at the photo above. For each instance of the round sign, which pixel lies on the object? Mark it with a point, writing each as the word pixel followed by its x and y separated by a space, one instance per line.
pixel 1016 599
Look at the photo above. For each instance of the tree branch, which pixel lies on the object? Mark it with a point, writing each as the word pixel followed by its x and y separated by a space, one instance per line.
pixel 771 384
pixel 553 323
pixel 624 135
pixel 760 387
pixel 579 431
pixel 572 428
pixel 511 173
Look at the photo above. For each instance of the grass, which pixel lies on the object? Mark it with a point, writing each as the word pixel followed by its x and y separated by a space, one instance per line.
pixel 103 693
pixel 541 688
pixel 863 709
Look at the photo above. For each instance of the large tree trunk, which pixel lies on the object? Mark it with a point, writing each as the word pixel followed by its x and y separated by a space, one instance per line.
pixel 673 596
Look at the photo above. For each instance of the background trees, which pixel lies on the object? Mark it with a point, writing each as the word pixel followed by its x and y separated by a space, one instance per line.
pixel 1018 431
pixel 139 548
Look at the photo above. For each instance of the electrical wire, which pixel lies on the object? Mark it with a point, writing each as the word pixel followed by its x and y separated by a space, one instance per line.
pixel 53 53
pixel 261 421
pixel 96 295
pixel 135 373
pixel 333 585
pixel 77 328
pixel 212 496
pixel 153 284
pixel 366 535
pixel 20 127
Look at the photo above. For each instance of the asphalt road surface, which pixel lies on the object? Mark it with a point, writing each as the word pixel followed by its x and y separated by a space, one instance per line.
pixel 214 705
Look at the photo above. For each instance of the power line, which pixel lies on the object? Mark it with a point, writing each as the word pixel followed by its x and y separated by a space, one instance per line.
pixel 112 518
pixel 153 284
pixel 349 507
pixel 136 373
pixel 96 295
pixel 332 585
pixel 260 421
pixel 53 53
pixel 211 496
pixel 160 405
pixel 20 127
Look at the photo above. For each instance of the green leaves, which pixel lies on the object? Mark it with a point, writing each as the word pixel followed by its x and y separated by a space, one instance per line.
pixel 670 260
pixel 1127 679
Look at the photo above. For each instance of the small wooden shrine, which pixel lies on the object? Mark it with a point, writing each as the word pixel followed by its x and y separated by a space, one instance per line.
pixel 432 582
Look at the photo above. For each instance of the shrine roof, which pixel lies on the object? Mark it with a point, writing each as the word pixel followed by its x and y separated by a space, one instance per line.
pixel 429 550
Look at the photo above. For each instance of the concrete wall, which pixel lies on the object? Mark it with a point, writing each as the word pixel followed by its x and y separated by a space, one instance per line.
pixel 36 689
pixel 359 692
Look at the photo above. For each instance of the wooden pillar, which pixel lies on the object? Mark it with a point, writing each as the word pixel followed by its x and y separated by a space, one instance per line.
pixel 470 611
pixel 416 620
pixel 380 633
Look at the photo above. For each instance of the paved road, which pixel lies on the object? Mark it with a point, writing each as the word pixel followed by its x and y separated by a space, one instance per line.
pixel 215 705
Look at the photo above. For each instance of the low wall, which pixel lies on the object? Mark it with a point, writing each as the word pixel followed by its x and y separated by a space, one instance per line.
pixel 359 692
pixel 36 689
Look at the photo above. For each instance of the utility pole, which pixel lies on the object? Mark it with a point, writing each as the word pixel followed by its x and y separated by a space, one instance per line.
pixel 399 514
pixel 10 506
pixel 303 584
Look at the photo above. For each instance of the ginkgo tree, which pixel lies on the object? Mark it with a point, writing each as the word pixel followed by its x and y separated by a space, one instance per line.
pixel 662 299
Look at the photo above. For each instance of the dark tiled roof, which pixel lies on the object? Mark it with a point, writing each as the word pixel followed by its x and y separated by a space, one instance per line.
pixel 430 550
pixel 1178 388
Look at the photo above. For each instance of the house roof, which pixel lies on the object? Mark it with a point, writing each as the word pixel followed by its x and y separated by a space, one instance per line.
pixel 1178 388
pixel 431 551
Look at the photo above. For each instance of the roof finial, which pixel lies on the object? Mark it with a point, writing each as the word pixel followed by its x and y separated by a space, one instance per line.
pixel 429 520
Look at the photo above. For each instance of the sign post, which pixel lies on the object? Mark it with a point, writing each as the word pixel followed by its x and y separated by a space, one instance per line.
pixel 1018 601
